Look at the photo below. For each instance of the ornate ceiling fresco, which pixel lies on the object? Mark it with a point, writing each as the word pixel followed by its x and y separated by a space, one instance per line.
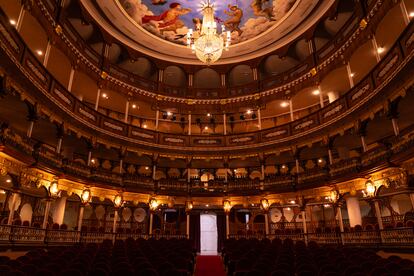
pixel 158 28
pixel 171 20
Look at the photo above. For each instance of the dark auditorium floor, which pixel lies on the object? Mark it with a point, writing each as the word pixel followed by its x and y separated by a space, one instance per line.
pixel 209 266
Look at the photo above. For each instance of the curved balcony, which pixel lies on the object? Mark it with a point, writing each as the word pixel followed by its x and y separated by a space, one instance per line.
pixel 305 74
pixel 28 71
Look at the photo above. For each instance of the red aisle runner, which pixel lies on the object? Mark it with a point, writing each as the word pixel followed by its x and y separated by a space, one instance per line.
pixel 209 266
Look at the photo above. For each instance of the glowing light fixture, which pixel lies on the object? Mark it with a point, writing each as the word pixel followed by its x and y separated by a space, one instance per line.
pixel 153 204
pixel 284 104
pixel 264 204
pixel 54 188
pixel 370 189
pixel 13 22
pixel 226 205
pixel 39 52
pixel 118 201
pixel 85 196
pixel 206 43
pixel 380 50
pixel 411 14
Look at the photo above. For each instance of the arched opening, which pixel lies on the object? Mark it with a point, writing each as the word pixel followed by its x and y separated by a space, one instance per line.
pixel 208 234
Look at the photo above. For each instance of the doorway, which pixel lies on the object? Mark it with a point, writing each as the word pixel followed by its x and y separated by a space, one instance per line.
pixel 208 234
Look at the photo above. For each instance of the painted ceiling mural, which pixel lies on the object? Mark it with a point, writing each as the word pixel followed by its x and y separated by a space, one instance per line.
pixel 171 19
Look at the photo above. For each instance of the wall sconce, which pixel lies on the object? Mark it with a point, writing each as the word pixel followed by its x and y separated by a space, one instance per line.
pixel 370 189
pixel 227 206
pixel 85 196
pixel 54 189
pixel 333 196
pixel 188 205
pixel 118 201
pixel 153 204
pixel 264 204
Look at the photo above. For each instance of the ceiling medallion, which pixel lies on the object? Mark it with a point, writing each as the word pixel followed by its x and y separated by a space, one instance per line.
pixel 205 41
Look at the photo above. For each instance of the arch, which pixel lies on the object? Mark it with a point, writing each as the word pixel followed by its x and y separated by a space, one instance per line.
pixel 142 67
pixel 275 65
pixel 240 75
pixel 26 213
pixel 206 78
pixel 175 76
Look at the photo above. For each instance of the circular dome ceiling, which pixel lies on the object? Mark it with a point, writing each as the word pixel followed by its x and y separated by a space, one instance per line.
pixel 158 27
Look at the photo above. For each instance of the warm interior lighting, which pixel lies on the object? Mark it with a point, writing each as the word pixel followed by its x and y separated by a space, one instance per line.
pixel 13 22
pixel 105 96
pixel 207 205
pixel 188 205
pixel 144 126
pixel 411 14
pixel 284 104
pixel 169 113
pixel 118 201
pixel 380 50
pixel 326 205
pixel 316 92
pixel 264 204
pixel 85 196
pixel 292 202
pixel 249 111
pixel 153 204
pixel 8 180
pixel 134 106
pixel 93 161
pixel 352 75
pixel 208 114
pixel 206 127
pixel 147 168
pixel 227 205
pixel 370 189
pixel 320 160
pixel 39 52
pixel 205 42
pixel 54 188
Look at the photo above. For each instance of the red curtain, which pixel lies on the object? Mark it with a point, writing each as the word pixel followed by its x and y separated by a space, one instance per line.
pixel 195 230
pixel 221 231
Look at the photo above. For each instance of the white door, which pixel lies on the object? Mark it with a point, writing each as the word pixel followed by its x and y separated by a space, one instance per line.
pixel 208 229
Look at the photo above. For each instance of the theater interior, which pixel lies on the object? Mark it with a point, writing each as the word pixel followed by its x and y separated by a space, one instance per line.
pixel 207 137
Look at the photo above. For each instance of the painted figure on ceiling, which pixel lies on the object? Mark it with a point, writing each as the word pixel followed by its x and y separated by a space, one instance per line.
pixel 159 2
pixel 233 22
pixel 169 20
pixel 259 10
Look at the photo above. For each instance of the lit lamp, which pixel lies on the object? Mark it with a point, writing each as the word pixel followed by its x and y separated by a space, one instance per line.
pixel 370 189
pixel 264 204
pixel 85 196
pixel 208 45
pixel 153 204
pixel 188 205
pixel 227 206
pixel 333 197
pixel 54 189
pixel 118 201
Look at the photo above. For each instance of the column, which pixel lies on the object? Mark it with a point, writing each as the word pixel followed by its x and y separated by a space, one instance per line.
pixel 259 118
pixel 375 48
pixel 187 229
pixel 47 53
pixel 291 110
pixel 12 208
pixel 354 211
pixel 121 162
pixel 89 157
pixel 59 211
pixel 20 18
pixel 80 217
pixel 263 172
pixel 98 96
pixel 321 103
pixel 395 126
pixel 404 12
pixel 154 170
pixel 30 128
pixel 189 124
pixel 126 112
pixel 46 214
pixel 150 223
pixel 330 156
pixel 157 115
pixel 305 228
pixel 266 214
pixel 341 223
pixel 378 214
pixel 224 124
pixel 297 165
pixel 227 225
pixel 71 76
pixel 350 75
pixel 412 200
pixel 115 221
pixel 59 144
pixel 363 143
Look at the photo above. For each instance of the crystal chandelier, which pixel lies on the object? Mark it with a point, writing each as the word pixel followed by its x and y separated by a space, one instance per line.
pixel 205 42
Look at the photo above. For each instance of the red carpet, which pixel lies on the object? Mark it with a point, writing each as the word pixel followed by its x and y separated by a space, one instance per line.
pixel 209 266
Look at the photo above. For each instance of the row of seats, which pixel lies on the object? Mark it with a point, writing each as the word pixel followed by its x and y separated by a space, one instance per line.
pixel 131 257
pixel 251 257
